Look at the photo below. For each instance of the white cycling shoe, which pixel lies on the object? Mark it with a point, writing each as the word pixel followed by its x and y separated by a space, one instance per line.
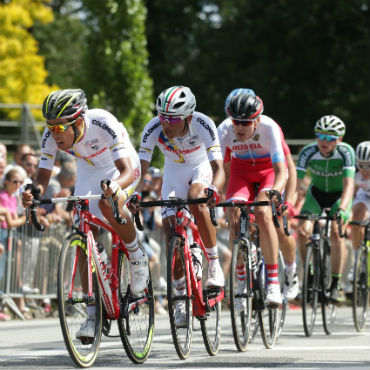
pixel 215 275
pixel 291 287
pixel 87 328
pixel 180 315
pixel 274 294
pixel 139 274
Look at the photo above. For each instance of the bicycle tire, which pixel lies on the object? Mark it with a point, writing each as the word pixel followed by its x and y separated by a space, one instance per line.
pixel 136 324
pixel 211 328
pixel 72 304
pixel 284 305
pixel 328 308
pixel 269 317
pixel 310 289
pixel 240 319
pixel 360 300
pixel 181 334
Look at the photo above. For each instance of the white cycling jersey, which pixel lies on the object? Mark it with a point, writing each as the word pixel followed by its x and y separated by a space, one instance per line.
pixel 102 141
pixel 362 183
pixel 200 143
pixel 262 149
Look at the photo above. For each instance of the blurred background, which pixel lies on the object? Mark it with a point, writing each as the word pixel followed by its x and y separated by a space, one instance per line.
pixel 304 58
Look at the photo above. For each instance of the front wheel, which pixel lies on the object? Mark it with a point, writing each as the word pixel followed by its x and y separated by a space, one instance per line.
pixel 136 324
pixel 179 301
pixel 81 332
pixel 360 300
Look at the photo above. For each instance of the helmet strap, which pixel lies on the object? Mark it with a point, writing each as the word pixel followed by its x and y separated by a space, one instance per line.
pixel 76 132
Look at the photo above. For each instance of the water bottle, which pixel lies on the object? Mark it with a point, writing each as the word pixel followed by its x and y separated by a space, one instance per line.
pixel 103 257
pixel 196 254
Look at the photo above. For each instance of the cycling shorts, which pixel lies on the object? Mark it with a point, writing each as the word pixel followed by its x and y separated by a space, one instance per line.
pixel 242 181
pixel 177 181
pixel 362 197
pixel 316 200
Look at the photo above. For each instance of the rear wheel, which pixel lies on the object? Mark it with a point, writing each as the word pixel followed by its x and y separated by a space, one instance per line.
pixel 310 289
pixel 179 302
pixel 327 306
pixel 136 324
pixel 240 295
pixel 73 300
pixel 283 306
pixel 360 301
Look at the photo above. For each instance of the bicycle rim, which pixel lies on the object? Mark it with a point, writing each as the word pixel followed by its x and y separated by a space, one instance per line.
pixel 181 333
pixel 211 329
pixel 328 309
pixel 283 306
pixel 136 324
pixel 310 291
pixel 360 300
pixel 269 320
pixel 72 301
pixel 240 318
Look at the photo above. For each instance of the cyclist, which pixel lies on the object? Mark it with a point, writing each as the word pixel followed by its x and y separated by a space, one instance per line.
pixel 104 151
pixel 257 158
pixel 286 243
pixel 361 202
pixel 331 164
pixel 193 167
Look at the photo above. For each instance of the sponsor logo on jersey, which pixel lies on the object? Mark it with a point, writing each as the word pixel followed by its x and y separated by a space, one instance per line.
pixel 43 143
pixel 208 128
pixel 150 130
pixel 92 144
pixel 246 146
pixel 193 140
pixel 105 127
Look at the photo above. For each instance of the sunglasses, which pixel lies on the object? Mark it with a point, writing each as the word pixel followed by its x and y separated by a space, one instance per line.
pixel 170 119
pixel 363 166
pixel 239 122
pixel 326 137
pixel 60 128
pixel 148 182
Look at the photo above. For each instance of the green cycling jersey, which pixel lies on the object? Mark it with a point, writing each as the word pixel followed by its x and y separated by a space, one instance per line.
pixel 327 173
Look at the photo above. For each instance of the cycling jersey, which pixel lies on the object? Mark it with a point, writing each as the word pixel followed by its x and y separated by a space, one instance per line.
pixel 200 141
pixel 363 184
pixel 102 141
pixel 259 152
pixel 327 173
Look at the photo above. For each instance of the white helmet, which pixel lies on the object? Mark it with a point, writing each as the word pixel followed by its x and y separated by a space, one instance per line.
pixel 363 152
pixel 331 125
pixel 176 101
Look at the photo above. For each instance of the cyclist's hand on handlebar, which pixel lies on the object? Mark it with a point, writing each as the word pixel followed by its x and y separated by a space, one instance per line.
pixel 28 194
pixel 212 195
pixel 134 203
pixel 287 209
pixel 110 188
pixel 275 196
pixel 340 214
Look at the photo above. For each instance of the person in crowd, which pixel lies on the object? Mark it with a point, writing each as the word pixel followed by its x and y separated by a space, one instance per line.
pixel 19 152
pixel 331 164
pixel 361 202
pixel 193 163
pixel 104 151
pixel 29 163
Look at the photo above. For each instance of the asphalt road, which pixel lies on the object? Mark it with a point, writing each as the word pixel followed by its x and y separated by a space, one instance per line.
pixel 38 344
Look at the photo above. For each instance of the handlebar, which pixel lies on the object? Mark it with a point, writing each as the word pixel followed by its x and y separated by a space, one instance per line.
pixel 316 217
pixel 174 202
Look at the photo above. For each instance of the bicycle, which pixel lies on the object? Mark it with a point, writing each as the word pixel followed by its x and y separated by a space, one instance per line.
pixel 317 273
pixel 84 280
pixel 199 301
pixel 249 311
pixel 361 278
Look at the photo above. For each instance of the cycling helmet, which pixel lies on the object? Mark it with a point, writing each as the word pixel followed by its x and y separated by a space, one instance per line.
pixel 234 93
pixel 245 107
pixel 363 152
pixel 176 101
pixel 66 104
pixel 331 125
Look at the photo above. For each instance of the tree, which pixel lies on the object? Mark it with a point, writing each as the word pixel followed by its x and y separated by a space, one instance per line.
pixel 22 72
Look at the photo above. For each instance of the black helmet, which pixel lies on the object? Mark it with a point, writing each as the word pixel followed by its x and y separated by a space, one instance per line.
pixel 64 104
pixel 245 107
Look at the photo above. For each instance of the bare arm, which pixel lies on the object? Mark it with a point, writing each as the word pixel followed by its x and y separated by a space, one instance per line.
pixel 144 169
pixel 348 187
pixel 280 176
pixel 218 174
pixel 291 185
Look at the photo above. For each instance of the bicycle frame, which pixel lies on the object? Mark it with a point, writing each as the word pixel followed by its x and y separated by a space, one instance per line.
pixel 200 306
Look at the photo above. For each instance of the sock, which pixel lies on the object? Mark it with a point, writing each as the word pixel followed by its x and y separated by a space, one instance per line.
pixel 272 274
pixel 290 268
pixel 241 272
pixel 212 254
pixel 134 249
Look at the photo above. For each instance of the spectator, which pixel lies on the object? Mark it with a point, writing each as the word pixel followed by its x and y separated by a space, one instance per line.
pixel 29 163
pixel 20 151
pixel 3 150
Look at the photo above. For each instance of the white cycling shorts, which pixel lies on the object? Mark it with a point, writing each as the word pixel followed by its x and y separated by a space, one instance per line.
pixel 177 181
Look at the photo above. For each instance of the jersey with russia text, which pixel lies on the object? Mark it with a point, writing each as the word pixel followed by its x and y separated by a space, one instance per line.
pixel 199 144
pixel 327 173
pixel 102 141
pixel 262 150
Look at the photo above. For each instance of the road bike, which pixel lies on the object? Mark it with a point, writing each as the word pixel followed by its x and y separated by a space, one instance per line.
pixel 249 310
pixel 198 301
pixel 361 278
pixel 317 273
pixel 84 280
